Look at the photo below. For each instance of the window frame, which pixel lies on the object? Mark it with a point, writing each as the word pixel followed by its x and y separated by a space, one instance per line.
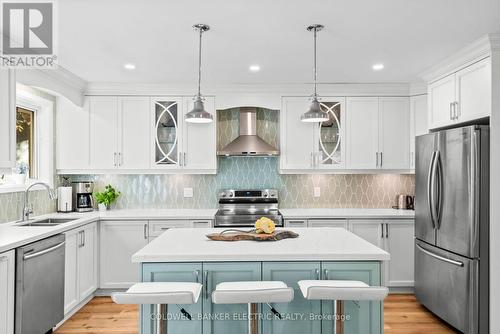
pixel 34 140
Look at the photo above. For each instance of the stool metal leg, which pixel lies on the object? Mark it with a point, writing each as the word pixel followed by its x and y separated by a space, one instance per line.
pixel 161 318
pixel 253 321
pixel 339 323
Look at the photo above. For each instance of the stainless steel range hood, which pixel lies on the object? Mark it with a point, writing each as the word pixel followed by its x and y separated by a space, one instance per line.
pixel 248 143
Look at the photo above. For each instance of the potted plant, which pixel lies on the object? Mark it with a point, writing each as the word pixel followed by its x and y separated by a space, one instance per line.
pixel 20 173
pixel 106 197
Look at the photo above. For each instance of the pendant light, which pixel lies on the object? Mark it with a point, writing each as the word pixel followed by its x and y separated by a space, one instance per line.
pixel 314 114
pixel 199 114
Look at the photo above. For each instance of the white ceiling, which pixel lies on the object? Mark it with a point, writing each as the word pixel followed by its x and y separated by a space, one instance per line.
pixel 97 37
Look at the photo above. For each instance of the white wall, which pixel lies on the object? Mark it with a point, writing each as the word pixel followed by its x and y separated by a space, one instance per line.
pixel 495 198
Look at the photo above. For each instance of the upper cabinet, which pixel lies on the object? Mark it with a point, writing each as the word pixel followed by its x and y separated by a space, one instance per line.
pixel 134 134
pixel 378 133
pixel 418 122
pixel 7 118
pixel 462 96
pixel 317 146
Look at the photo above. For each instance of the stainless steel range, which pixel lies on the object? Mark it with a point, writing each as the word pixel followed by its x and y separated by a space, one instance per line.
pixel 241 208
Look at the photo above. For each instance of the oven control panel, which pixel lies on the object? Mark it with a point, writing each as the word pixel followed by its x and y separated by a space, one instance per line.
pixel 248 194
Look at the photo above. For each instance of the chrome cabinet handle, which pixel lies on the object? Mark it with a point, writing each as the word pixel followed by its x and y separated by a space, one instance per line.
pixel 316 272
pixel 205 282
pixel 146 231
pixel 184 154
pixel 412 159
pixel 376 159
pixel 382 235
pixel 180 159
pixel 381 159
pixel 451 111
pixel 197 275
pixel 457 110
pixel 325 273
pixel 114 159
pixel 312 160
pixel 119 159
pixel 439 257
pixel 83 238
pixel 387 230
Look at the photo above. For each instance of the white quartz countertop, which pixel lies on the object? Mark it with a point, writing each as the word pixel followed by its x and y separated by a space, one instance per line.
pixel 346 213
pixel 313 244
pixel 12 235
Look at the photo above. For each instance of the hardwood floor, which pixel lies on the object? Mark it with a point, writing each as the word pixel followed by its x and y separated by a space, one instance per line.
pixel 403 315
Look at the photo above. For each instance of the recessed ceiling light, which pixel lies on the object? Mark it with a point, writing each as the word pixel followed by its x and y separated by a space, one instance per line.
pixel 129 66
pixel 254 68
pixel 378 67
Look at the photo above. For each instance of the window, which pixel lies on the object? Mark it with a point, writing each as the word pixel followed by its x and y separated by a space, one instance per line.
pixel 25 140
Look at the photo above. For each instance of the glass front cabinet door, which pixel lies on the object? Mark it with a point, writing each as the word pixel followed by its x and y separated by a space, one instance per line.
pixel 330 150
pixel 168 114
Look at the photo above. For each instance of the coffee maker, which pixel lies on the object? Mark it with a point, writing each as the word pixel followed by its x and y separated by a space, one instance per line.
pixel 82 196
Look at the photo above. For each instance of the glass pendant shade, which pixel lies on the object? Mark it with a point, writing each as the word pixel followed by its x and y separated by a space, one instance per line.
pixel 314 114
pixel 199 114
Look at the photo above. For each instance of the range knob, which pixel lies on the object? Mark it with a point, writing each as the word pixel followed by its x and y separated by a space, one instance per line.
pixel 223 195
pixel 231 195
pixel 266 195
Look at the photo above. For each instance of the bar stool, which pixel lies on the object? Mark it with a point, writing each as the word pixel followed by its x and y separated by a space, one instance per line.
pixel 252 293
pixel 160 294
pixel 339 291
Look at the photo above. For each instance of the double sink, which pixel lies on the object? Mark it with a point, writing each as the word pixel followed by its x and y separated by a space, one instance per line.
pixel 46 222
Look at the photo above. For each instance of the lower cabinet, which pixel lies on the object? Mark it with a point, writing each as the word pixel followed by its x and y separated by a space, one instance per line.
pixel 360 316
pixel 119 240
pixel 174 272
pixel 80 278
pixel 215 273
pixel 7 282
pixel 397 238
pixel 291 273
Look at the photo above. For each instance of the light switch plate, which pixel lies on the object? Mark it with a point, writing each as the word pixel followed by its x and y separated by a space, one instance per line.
pixel 317 191
pixel 188 192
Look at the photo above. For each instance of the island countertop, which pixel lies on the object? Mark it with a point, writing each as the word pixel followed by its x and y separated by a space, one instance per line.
pixel 313 244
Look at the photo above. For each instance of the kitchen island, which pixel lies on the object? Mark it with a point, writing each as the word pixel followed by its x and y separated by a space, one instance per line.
pixel 186 255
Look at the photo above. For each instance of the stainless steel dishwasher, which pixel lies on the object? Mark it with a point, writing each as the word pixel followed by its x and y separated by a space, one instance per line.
pixel 40 285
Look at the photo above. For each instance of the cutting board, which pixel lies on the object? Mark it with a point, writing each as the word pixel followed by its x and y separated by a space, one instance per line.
pixel 238 235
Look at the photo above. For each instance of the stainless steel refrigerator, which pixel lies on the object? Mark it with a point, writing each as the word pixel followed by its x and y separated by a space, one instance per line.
pixel 451 226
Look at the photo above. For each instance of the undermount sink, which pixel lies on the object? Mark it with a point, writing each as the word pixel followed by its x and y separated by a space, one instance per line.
pixel 47 222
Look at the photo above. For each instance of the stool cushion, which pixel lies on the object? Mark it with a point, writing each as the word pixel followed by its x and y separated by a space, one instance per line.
pixel 252 292
pixel 159 293
pixel 341 290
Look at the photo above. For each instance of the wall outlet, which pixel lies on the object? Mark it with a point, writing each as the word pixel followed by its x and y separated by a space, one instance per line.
pixel 188 192
pixel 317 191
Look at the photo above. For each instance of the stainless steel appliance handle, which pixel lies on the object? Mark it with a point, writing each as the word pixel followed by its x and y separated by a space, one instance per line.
pixel 439 188
pixel 45 251
pixel 439 257
pixel 430 191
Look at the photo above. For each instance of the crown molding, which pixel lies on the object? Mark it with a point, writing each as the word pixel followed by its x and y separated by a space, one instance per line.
pixel 56 81
pixel 477 50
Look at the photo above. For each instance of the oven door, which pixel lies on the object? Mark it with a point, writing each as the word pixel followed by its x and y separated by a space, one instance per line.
pixel 235 220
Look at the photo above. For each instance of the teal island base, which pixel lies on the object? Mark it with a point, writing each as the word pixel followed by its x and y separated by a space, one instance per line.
pixel 298 317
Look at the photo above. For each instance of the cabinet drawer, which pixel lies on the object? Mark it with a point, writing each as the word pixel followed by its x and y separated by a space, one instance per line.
pixel 328 223
pixel 296 223
pixel 201 223
pixel 159 226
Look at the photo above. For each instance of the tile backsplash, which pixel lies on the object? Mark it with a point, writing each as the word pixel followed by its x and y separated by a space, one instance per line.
pixel 296 191
pixel 11 204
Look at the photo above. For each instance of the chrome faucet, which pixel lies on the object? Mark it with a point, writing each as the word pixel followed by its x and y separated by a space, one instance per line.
pixel 28 209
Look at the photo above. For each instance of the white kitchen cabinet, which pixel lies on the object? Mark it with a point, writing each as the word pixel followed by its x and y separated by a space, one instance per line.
pixel 418 122
pixel 7 118
pixel 72 244
pixel 87 261
pixel 119 240
pixel 394 133
pixel 462 96
pixel 312 146
pixel 7 287
pixel 297 137
pixel 371 230
pixel 157 227
pixel 103 132
pixel 134 133
pixel 362 132
pixel 80 271
pixel 199 141
pixel 395 237
pixel 72 135
pixel 399 240
pixel 327 223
